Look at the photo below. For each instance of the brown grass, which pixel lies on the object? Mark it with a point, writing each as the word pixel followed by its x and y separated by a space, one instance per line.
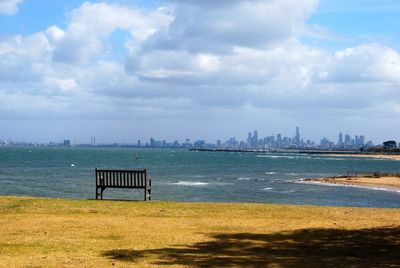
pixel 71 233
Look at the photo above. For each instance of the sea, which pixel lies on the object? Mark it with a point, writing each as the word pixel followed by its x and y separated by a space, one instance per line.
pixel 183 175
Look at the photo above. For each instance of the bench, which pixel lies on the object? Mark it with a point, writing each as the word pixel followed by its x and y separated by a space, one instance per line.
pixel 127 179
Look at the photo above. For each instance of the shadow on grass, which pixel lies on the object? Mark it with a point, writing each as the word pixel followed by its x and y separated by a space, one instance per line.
pixel 377 247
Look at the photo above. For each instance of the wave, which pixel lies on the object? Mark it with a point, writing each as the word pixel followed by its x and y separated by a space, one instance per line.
pixel 276 156
pixel 291 174
pixel 271 189
pixel 270 173
pixel 317 157
pixel 267 189
pixel 244 179
pixel 249 179
pixel 198 183
pixel 329 158
pixel 190 183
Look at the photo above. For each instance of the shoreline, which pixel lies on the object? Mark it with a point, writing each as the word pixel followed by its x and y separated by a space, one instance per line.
pixel 386 182
pixel 377 156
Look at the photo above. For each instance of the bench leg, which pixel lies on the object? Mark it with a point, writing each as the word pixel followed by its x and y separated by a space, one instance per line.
pixel 147 194
pixel 99 193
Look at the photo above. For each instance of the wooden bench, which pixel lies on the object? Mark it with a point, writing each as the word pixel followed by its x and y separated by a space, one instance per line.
pixel 129 179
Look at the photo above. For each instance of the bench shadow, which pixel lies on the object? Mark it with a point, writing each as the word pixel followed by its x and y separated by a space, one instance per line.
pixel 376 247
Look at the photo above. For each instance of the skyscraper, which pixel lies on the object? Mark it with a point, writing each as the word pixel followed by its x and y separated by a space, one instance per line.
pixel 296 139
pixel 340 143
pixel 347 140
pixel 361 140
pixel 249 139
pixel 255 138
pixel 279 140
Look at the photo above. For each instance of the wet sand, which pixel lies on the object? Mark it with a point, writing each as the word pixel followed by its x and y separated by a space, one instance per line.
pixel 379 156
pixel 391 182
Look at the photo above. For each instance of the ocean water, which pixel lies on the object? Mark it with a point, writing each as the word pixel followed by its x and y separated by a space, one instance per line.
pixel 182 175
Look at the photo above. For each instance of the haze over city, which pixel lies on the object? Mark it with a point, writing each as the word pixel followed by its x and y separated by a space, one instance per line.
pixel 128 70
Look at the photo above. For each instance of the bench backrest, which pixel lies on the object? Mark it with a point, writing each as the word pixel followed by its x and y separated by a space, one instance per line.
pixel 121 178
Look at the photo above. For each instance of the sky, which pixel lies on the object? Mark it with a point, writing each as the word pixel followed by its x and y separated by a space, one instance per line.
pixel 199 69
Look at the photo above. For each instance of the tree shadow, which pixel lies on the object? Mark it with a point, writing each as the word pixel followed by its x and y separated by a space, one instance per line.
pixel 376 247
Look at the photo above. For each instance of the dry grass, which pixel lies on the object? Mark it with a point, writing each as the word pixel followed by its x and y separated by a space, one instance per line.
pixel 71 233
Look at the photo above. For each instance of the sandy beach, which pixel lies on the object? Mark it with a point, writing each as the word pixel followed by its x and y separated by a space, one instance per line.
pixel 379 156
pixel 391 182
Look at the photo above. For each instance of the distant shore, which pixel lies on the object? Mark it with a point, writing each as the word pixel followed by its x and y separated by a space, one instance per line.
pixel 386 182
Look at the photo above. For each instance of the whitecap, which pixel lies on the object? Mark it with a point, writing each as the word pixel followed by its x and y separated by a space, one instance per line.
pixel 287 192
pixel 190 183
pixel 329 158
pixel 243 179
pixel 267 189
pixel 270 173
pixel 276 156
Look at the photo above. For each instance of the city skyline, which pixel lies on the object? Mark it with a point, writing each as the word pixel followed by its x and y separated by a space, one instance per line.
pixel 125 70
pixel 253 141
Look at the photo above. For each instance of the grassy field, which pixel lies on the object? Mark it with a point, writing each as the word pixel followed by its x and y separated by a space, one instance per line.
pixel 38 232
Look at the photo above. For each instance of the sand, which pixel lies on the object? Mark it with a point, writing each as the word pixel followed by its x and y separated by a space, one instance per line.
pixel 379 156
pixel 391 182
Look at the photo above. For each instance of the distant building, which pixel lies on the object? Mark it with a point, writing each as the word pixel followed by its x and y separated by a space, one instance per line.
pixel 369 144
pixel 326 144
pixel 361 140
pixel 340 142
pixel 93 141
pixel 296 139
pixel 347 140
pixel 67 143
pixel 255 139
pixel 219 143
pixel 249 139
pixel 199 144
pixel 279 140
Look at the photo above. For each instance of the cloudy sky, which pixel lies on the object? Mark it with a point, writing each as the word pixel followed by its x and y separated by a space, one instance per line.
pixel 126 70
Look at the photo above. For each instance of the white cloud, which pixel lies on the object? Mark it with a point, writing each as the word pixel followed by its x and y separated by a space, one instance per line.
pixel 187 60
pixel 198 28
pixel 366 63
pixel 9 7
pixel 91 24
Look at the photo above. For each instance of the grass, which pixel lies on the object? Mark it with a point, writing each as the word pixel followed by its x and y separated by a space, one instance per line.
pixel 37 232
